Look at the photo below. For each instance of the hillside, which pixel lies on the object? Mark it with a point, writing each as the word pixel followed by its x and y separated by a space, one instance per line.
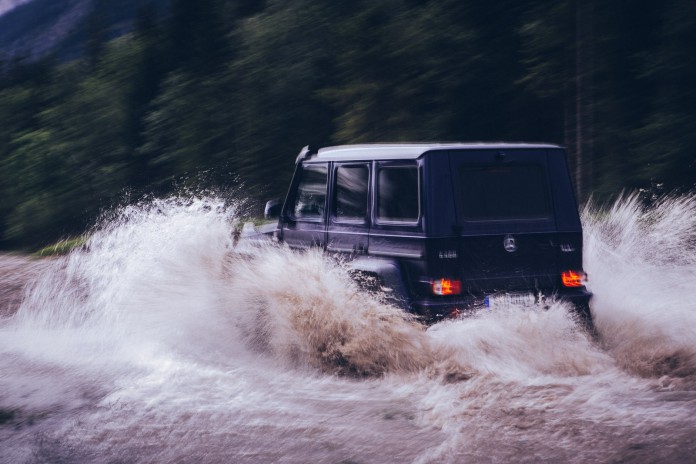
pixel 40 27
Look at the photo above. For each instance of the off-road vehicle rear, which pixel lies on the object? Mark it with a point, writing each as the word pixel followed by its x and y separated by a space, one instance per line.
pixel 444 227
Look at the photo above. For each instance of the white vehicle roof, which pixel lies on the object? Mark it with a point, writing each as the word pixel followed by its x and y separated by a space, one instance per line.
pixel 387 151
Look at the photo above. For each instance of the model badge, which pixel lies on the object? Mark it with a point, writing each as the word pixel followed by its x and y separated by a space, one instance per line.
pixel 510 243
pixel 448 254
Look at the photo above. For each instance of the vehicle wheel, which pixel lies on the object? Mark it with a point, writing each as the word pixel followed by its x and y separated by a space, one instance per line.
pixel 375 286
pixel 367 281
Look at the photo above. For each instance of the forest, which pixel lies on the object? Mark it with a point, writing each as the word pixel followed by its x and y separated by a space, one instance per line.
pixel 219 96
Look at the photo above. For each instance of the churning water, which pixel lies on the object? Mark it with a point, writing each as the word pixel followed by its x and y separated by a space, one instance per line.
pixel 165 341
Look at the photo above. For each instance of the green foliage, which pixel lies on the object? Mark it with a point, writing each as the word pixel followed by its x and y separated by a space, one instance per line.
pixel 73 155
pixel 234 89
pixel 285 57
pixel 547 34
pixel 182 139
pixel 61 247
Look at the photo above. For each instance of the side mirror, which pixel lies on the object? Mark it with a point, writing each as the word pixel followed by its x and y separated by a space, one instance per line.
pixel 272 210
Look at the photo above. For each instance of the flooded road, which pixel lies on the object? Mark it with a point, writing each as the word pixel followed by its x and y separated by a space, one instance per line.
pixel 157 343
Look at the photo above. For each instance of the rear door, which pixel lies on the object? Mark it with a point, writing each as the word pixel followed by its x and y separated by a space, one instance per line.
pixel 505 212
pixel 397 222
pixel 349 226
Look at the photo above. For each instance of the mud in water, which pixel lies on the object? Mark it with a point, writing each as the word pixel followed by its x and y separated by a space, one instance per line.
pixel 161 342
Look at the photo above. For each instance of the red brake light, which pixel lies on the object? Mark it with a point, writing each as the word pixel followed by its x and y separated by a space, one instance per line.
pixel 573 278
pixel 446 287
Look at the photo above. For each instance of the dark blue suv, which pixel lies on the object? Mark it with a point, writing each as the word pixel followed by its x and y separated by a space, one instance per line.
pixel 444 228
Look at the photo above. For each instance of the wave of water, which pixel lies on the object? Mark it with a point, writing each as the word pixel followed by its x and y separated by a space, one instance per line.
pixel 642 262
pixel 159 342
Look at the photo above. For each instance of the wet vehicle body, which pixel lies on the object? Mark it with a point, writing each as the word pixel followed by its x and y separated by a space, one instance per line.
pixel 444 228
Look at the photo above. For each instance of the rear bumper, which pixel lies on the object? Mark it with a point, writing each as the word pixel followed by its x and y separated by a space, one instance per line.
pixel 434 309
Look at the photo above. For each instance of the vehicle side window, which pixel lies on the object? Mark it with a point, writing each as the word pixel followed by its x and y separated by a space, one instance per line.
pixel 351 192
pixel 397 194
pixel 310 200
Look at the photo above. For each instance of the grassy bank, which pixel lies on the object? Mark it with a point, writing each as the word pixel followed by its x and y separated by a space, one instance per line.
pixel 61 247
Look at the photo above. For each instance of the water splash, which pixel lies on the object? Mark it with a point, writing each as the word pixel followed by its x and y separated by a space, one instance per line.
pixel 307 308
pixel 642 265
pixel 158 341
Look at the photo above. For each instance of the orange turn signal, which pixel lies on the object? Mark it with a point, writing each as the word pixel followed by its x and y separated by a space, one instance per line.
pixel 446 287
pixel 573 278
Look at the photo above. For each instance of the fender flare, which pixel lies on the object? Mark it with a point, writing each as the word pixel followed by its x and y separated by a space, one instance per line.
pixel 390 276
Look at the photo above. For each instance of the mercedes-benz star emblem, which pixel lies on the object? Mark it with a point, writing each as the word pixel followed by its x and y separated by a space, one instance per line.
pixel 510 243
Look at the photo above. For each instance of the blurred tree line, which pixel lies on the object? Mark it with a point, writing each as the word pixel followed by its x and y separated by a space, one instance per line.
pixel 234 88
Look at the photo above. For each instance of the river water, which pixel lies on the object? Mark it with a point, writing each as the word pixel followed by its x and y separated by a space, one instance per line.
pixel 158 343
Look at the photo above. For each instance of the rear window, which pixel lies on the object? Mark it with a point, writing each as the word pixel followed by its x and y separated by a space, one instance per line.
pixel 351 192
pixel 397 194
pixel 503 192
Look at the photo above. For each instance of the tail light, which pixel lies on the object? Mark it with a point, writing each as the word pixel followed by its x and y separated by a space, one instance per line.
pixel 573 278
pixel 446 287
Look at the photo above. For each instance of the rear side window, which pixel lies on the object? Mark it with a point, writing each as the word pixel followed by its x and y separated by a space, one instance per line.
pixel 351 192
pixel 503 192
pixel 310 200
pixel 397 194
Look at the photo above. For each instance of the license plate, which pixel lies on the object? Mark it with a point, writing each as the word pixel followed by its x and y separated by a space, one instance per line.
pixel 506 300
